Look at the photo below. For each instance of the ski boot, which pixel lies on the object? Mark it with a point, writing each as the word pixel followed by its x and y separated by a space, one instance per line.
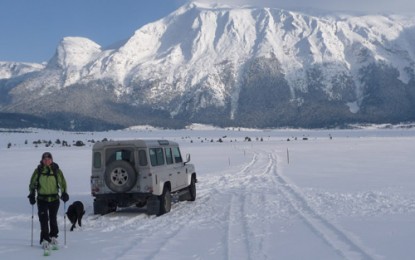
pixel 54 243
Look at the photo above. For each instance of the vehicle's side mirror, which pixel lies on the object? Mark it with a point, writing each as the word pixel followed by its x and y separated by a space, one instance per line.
pixel 187 158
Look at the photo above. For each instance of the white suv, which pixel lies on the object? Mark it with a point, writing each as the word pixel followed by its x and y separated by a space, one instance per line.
pixel 140 172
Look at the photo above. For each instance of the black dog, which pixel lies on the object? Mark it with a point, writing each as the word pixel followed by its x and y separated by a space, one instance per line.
pixel 75 213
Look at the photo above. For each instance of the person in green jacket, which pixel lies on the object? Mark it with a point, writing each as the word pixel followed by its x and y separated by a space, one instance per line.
pixel 47 179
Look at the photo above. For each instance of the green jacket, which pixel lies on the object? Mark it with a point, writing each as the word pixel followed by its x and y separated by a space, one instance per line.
pixel 45 184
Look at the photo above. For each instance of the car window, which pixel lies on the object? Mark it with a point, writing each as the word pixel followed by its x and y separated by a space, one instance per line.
pixel 142 158
pixel 169 155
pixel 97 160
pixel 156 156
pixel 176 154
pixel 119 155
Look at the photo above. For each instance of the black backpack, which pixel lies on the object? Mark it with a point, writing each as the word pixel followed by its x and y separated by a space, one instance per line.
pixel 55 169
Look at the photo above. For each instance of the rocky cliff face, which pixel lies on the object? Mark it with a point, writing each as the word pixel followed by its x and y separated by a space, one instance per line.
pixel 255 67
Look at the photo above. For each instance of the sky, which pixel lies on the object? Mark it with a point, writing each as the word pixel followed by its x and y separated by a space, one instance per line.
pixel 31 30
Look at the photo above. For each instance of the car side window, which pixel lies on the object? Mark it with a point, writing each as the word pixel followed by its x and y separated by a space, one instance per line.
pixel 176 154
pixel 142 157
pixel 156 156
pixel 169 155
pixel 97 160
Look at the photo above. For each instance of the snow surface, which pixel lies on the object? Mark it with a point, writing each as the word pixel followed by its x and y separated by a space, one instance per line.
pixel 340 194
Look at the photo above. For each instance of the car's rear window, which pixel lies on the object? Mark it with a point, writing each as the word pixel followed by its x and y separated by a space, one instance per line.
pixel 117 154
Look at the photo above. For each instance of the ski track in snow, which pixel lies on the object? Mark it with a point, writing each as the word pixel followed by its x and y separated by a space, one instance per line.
pixel 241 225
pixel 135 245
pixel 171 232
pixel 237 228
pixel 333 235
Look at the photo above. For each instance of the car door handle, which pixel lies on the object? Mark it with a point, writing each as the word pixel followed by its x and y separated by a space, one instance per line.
pixel 178 172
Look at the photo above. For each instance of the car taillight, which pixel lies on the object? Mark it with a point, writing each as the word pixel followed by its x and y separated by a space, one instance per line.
pixel 96 182
pixel 94 190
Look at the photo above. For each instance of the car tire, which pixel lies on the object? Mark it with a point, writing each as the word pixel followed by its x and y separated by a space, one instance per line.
pixel 141 204
pixel 192 190
pixel 120 176
pixel 165 201
pixel 100 207
pixel 103 206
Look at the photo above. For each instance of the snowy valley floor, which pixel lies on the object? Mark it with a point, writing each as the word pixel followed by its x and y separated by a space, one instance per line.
pixel 350 196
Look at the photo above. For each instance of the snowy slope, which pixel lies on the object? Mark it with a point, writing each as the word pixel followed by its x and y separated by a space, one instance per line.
pixel 15 69
pixel 203 58
pixel 195 38
pixel 349 197
pixel 72 55
pixel 188 45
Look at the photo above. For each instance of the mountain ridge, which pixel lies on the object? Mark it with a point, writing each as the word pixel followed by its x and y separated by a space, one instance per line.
pixel 256 67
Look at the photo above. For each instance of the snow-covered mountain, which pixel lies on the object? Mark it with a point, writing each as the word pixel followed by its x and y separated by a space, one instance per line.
pixel 256 67
pixel 14 69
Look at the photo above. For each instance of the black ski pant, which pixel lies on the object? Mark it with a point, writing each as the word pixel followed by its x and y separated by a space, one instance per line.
pixel 47 212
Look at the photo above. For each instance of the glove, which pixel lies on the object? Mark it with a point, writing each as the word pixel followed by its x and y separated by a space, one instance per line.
pixel 64 197
pixel 32 199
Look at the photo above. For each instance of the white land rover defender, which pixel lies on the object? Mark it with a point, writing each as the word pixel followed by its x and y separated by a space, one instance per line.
pixel 140 172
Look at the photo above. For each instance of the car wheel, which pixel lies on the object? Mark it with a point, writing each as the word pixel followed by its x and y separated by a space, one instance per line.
pixel 141 204
pixel 100 207
pixel 192 190
pixel 120 176
pixel 165 201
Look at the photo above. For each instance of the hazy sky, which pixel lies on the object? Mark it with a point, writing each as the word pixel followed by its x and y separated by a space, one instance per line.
pixel 30 30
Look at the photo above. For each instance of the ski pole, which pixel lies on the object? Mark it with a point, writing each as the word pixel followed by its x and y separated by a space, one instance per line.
pixel 31 240
pixel 64 222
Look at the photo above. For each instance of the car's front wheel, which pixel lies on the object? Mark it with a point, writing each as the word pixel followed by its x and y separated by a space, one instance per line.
pixel 192 190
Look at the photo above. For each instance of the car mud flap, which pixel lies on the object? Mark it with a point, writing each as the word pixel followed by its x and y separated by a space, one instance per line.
pixel 153 205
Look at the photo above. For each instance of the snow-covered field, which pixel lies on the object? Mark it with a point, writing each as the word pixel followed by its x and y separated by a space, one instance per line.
pixel 350 196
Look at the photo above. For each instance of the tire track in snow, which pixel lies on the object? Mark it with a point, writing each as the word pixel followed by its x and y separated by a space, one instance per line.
pixel 146 229
pixel 239 231
pixel 237 243
pixel 153 228
pixel 175 230
pixel 329 232
pixel 122 222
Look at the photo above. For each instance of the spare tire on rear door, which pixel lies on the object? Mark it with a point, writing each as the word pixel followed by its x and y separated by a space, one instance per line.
pixel 120 176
